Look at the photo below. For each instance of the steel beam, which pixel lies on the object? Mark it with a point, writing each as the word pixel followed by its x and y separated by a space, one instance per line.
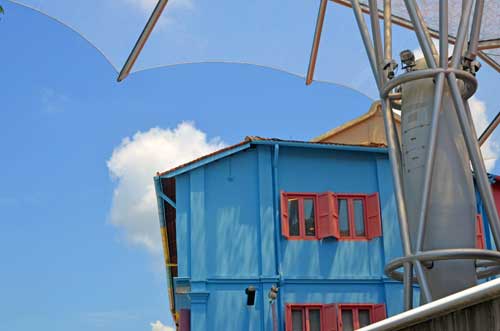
pixel 489 130
pixel 443 30
pixel 429 160
pixel 463 27
pixel 423 35
pixel 143 38
pixel 377 40
pixel 475 30
pixel 387 30
pixel 317 38
pixel 365 35
pixel 476 158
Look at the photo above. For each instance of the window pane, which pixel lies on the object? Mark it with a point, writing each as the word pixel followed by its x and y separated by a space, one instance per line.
pixel 359 217
pixel 309 217
pixel 297 321
pixel 343 218
pixel 347 320
pixel 293 217
pixel 364 317
pixel 314 320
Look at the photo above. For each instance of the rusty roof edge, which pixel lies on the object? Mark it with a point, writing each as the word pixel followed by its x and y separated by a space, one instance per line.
pixel 254 140
pixel 208 158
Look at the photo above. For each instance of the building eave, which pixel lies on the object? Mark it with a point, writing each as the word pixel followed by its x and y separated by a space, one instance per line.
pixel 252 141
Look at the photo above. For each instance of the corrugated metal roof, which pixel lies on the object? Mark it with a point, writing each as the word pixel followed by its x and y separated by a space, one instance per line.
pixel 256 140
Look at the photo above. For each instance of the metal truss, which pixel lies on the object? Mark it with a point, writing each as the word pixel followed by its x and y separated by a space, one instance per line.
pixel 444 72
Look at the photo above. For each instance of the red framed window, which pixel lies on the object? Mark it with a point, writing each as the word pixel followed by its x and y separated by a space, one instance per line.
pixel 299 220
pixel 358 216
pixel 332 317
pixel 304 317
pixel 310 216
pixel 353 317
pixel 480 232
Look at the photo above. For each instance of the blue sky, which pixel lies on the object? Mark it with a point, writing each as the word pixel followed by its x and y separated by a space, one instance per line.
pixel 79 152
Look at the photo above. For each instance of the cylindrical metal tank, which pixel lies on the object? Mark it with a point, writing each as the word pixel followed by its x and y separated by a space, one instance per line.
pixel 452 206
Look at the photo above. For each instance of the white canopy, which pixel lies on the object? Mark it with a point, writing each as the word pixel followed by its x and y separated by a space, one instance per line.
pixel 269 33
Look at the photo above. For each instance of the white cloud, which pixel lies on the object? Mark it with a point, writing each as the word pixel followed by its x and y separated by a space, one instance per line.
pixel 158 326
pixel 491 148
pixel 134 163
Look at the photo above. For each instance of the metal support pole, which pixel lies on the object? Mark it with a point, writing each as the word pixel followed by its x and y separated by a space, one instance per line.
pixel 476 159
pixel 143 38
pixel 429 160
pixel 388 57
pixel 475 30
pixel 461 34
pixel 438 96
pixel 426 31
pixel 408 286
pixel 365 35
pixel 400 203
pixel 489 130
pixel 469 117
pixel 402 213
pixel 420 30
pixel 377 40
pixel 387 30
pixel 316 41
pixel 397 142
pixel 443 34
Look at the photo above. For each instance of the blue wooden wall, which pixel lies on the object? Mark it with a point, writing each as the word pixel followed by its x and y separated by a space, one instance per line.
pixel 228 236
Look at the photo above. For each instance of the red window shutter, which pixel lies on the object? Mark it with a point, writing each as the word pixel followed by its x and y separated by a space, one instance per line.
pixel 378 313
pixel 185 320
pixel 329 318
pixel 284 215
pixel 479 232
pixel 288 318
pixel 325 215
pixel 374 224
pixel 335 216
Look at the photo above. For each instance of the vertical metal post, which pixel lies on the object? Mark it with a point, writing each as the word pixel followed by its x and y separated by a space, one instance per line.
pixel 377 40
pixel 443 33
pixel 402 213
pixel 387 30
pixel 476 159
pixel 438 96
pixel 426 31
pixel 429 160
pixel 469 117
pixel 400 204
pixel 365 35
pixel 461 34
pixel 388 59
pixel 420 30
pixel 316 40
pixel 475 29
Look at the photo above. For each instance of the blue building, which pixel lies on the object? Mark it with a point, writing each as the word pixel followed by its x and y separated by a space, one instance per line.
pixel 273 234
